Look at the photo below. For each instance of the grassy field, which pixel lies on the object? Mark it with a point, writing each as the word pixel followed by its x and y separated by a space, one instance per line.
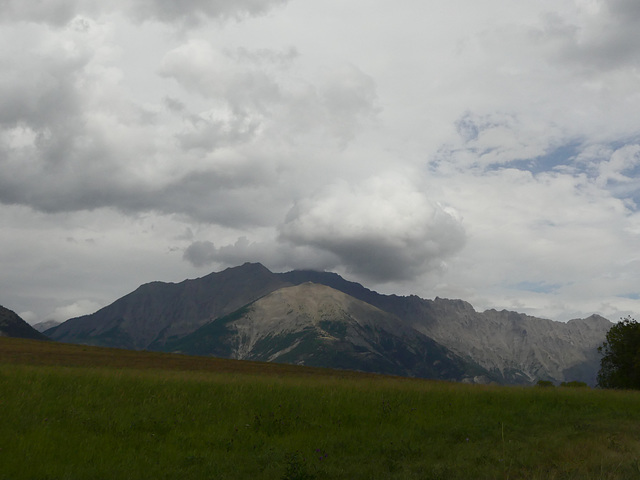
pixel 74 412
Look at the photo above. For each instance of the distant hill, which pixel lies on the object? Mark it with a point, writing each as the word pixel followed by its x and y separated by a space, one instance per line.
pixel 11 325
pixel 46 325
pixel 208 316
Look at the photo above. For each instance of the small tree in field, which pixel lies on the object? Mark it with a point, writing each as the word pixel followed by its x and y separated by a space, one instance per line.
pixel 620 363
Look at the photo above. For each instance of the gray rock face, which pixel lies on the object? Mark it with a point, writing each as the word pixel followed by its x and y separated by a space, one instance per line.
pixel 520 348
pixel 517 348
pixel 311 324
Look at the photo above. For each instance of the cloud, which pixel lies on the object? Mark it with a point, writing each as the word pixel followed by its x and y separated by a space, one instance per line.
pixel 613 169
pixel 210 131
pixel 252 90
pixel 37 90
pixel 496 139
pixel 54 12
pixel 75 309
pixel 237 193
pixel 564 243
pixel 538 82
pixel 72 139
pixel 201 253
pixel 185 13
pixel 603 36
pixel 349 97
pixel 28 317
pixel 622 166
pixel 45 120
pixel 192 12
pixel 384 228
pixel 274 254
pixel 199 67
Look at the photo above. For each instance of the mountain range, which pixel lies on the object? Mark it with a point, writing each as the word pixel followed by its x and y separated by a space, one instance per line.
pixel 321 319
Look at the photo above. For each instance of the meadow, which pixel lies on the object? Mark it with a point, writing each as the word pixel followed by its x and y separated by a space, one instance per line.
pixel 76 412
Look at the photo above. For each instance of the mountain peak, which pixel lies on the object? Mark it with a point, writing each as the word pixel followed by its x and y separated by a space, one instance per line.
pixel 247 268
pixel 594 320
pixel 251 266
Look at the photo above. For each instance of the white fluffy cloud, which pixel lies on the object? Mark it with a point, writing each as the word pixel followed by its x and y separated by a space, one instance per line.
pixel 76 309
pixel 383 228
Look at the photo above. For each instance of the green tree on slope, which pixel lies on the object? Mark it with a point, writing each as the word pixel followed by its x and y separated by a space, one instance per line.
pixel 620 363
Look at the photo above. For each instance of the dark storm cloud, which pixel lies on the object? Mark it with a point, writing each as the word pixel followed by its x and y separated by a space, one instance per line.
pixel 200 253
pixel 46 143
pixel 607 40
pixel 39 91
pixel 384 229
pixel 230 198
pixel 234 198
pixel 627 10
pixel 276 255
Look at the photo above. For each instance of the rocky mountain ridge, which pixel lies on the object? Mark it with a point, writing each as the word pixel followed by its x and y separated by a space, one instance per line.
pixel 316 325
pixel 518 348
pixel 506 346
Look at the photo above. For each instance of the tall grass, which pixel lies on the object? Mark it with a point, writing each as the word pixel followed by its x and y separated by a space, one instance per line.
pixel 114 423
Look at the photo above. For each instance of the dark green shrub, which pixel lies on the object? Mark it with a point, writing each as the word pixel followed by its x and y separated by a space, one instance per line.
pixel 574 384
pixel 545 383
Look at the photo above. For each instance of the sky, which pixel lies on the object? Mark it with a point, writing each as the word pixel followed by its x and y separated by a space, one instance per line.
pixel 488 151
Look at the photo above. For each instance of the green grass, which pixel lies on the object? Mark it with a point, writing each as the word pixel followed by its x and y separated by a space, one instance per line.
pixel 161 416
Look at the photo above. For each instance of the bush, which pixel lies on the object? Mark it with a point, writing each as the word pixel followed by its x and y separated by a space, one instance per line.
pixel 545 383
pixel 620 363
pixel 574 384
